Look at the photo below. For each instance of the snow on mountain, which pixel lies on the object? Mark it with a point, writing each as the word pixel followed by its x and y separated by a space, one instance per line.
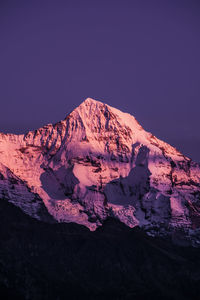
pixel 99 162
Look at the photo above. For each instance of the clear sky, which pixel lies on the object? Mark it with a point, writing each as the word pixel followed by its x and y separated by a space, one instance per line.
pixel 142 57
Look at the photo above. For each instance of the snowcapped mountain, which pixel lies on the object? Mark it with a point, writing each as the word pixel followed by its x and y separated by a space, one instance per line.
pixel 98 163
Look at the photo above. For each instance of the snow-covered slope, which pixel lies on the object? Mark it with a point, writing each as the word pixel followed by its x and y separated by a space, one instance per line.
pixel 99 162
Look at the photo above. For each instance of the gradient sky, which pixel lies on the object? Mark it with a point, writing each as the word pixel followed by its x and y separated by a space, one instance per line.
pixel 142 57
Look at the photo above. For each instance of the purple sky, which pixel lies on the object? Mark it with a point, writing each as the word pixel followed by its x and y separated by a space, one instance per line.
pixel 142 57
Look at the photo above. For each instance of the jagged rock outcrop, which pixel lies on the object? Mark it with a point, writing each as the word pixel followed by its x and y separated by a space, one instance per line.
pixel 98 163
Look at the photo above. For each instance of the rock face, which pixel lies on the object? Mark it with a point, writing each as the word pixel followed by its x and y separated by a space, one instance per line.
pixel 98 163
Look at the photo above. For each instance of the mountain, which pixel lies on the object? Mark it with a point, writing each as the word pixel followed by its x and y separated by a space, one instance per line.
pixel 99 163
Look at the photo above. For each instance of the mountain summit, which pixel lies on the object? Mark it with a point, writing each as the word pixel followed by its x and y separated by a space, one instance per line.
pixel 98 163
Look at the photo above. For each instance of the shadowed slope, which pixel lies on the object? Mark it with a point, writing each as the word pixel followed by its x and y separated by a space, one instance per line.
pixel 61 261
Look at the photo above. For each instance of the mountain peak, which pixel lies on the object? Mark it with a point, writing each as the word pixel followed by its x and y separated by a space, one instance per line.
pixel 90 101
pixel 92 105
pixel 100 123
pixel 97 113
